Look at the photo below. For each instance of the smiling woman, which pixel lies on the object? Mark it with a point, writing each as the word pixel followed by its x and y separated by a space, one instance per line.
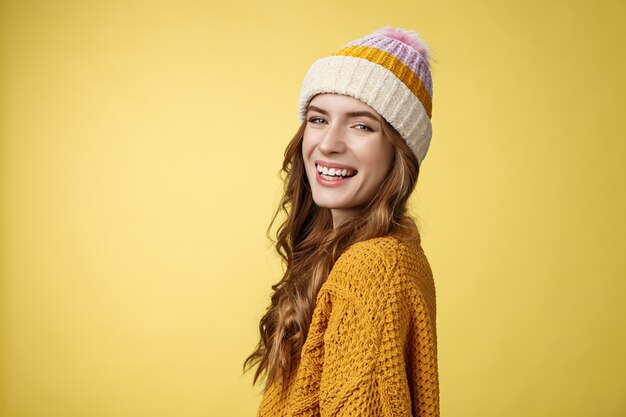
pixel 351 329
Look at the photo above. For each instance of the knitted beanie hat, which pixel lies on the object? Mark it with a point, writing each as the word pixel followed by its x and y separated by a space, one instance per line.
pixel 387 69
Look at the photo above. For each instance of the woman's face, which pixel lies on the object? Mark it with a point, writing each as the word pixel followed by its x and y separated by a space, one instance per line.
pixel 343 137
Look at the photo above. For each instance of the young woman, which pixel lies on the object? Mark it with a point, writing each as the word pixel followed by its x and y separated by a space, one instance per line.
pixel 351 328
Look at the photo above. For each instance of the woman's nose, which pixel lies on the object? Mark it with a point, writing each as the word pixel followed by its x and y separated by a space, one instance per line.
pixel 333 140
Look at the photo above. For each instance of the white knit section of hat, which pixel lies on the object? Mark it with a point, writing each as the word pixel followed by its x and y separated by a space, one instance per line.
pixel 376 86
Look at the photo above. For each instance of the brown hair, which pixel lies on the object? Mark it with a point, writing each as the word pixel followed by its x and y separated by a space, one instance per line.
pixel 309 247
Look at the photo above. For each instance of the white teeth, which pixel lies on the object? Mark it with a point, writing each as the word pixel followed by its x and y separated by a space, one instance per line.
pixel 334 172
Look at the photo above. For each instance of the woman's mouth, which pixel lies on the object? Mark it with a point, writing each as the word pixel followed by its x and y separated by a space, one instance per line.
pixel 333 176
pixel 335 172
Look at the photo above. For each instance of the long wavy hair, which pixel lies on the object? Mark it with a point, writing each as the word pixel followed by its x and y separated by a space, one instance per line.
pixel 309 246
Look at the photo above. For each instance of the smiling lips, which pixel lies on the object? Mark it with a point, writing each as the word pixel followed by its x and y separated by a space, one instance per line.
pixel 331 171
pixel 333 176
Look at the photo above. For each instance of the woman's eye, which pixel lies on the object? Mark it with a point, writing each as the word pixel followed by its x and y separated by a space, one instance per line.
pixel 316 120
pixel 367 128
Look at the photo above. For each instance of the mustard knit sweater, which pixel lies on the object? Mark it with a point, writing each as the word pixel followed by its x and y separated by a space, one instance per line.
pixel 371 349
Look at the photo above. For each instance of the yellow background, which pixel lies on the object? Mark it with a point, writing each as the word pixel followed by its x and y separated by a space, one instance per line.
pixel 139 152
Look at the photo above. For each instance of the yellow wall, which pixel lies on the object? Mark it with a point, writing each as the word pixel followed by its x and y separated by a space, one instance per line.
pixel 140 147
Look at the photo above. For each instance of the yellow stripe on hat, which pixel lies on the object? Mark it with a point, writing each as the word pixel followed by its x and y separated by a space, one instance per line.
pixel 397 67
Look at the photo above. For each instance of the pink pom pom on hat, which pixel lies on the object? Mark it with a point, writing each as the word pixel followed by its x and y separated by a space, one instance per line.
pixel 406 36
pixel 389 70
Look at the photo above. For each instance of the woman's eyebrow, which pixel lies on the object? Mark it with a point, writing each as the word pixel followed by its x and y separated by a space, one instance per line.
pixel 363 113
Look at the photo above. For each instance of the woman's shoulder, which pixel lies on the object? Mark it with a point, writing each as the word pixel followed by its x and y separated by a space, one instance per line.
pixel 384 252
pixel 379 263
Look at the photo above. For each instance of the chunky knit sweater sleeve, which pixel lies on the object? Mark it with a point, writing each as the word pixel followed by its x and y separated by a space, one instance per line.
pixel 371 349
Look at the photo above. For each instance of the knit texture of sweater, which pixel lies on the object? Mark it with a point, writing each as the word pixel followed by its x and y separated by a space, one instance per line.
pixel 371 349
